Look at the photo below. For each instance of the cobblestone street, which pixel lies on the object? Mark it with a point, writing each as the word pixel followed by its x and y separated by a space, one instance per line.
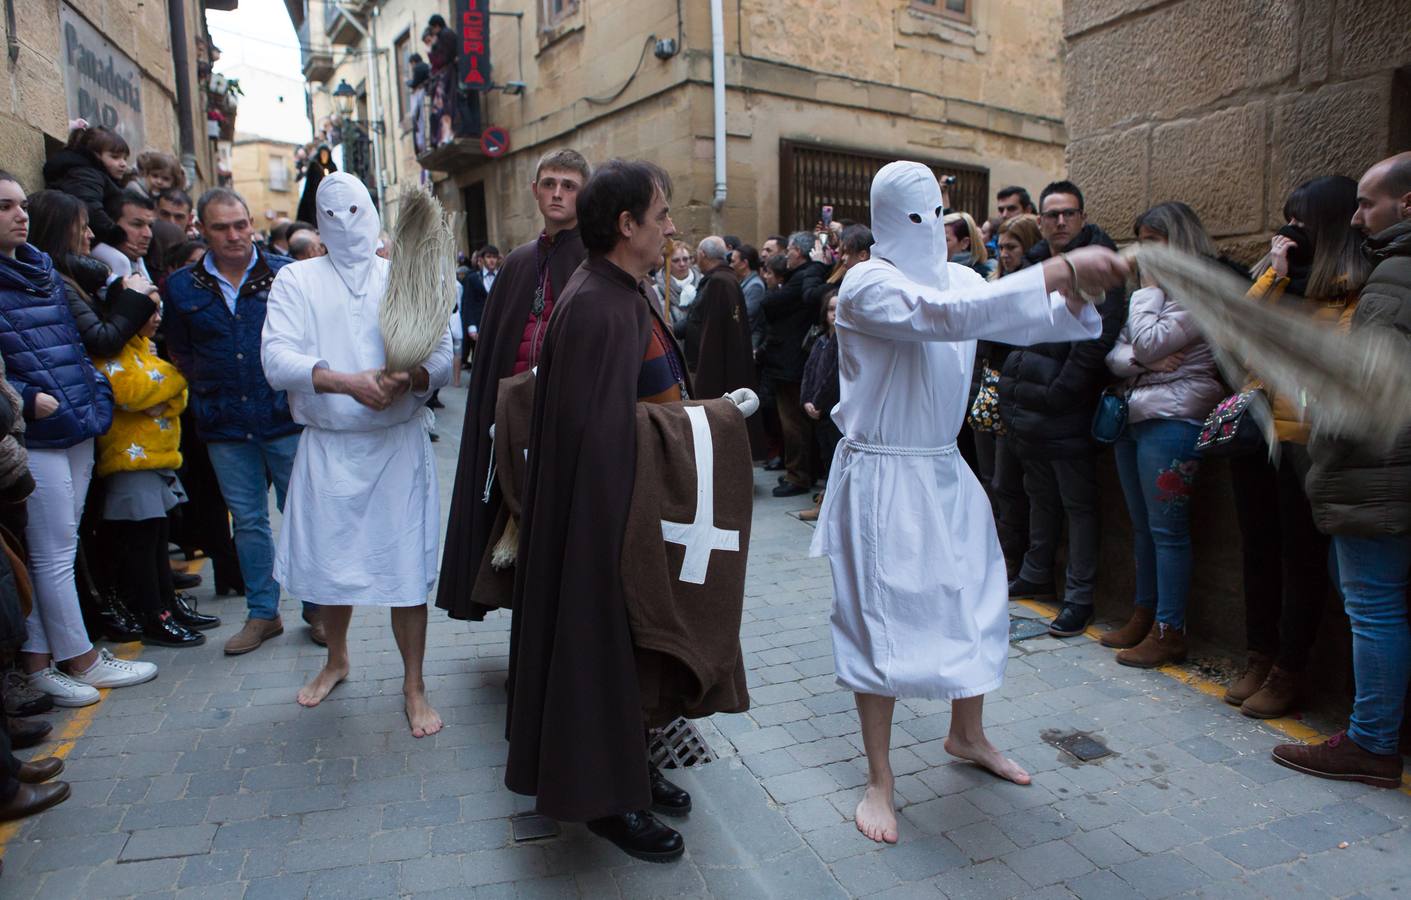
pixel 211 782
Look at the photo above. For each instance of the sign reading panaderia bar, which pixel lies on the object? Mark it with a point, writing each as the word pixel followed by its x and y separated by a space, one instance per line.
pixel 103 84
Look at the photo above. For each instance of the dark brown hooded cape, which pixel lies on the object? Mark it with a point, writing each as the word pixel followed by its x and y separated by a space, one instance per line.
pixel 719 349
pixel 471 528
pixel 575 726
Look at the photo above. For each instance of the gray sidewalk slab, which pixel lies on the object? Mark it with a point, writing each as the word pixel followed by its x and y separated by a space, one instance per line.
pixel 211 782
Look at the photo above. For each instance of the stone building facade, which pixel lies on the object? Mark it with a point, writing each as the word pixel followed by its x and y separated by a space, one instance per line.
pixel 60 48
pixel 262 171
pixel 814 101
pixel 1229 104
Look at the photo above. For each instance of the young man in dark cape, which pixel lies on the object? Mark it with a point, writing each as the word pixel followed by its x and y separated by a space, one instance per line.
pixel 576 726
pixel 512 332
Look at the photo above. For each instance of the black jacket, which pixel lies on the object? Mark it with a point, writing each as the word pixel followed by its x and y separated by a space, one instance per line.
pixel 107 324
pixel 1358 489
pixel 1048 392
pixel 473 297
pixel 790 310
pixel 80 174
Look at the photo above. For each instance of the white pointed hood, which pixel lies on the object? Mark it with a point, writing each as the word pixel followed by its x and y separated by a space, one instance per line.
pixel 907 222
pixel 349 226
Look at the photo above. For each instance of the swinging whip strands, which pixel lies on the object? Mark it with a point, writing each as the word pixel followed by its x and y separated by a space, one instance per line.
pixel 421 283
pixel 1354 385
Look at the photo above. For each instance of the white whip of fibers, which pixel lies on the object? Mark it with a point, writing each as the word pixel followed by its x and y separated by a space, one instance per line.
pixel 1355 385
pixel 421 283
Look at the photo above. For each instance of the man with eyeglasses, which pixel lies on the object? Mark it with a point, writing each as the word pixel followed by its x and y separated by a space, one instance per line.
pixel 1048 394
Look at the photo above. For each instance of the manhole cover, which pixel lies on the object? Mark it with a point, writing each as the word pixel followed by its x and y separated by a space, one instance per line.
pixel 1021 628
pixel 679 746
pixel 532 827
pixel 1079 744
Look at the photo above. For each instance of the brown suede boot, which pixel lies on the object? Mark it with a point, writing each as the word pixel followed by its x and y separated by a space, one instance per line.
pixel 1275 698
pixel 1131 634
pixel 1340 759
pixel 1162 645
pixel 255 633
pixel 1256 671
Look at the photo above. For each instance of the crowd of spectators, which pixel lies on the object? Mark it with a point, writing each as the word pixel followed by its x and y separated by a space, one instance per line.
pixel 136 423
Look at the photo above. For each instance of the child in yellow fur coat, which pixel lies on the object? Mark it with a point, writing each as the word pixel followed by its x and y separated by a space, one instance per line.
pixel 137 460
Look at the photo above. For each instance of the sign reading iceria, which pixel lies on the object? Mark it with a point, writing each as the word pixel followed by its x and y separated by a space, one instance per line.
pixel 103 85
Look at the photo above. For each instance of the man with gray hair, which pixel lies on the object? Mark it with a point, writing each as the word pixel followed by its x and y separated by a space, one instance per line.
pixel 788 315
pixel 716 331
pixel 213 317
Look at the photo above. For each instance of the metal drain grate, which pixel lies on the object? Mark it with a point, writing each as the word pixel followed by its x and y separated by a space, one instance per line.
pixel 530 826
pixel 1078 744
pixel 679 746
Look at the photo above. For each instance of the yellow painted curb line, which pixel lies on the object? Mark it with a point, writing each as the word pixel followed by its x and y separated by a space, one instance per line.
pixel 1289 727
pixel 69 733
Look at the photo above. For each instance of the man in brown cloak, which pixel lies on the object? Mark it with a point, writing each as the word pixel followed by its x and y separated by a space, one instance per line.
pixel 513 329
pixel 716 333
pixel 576 723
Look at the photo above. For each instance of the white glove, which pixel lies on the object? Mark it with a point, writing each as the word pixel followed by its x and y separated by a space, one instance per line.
pixel 746 399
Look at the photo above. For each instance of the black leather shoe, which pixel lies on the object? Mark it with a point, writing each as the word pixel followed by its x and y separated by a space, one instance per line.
pixel 667 798
pixel 788 489
pixel 640 835
pixel 1019 589
pixel 26 733
pixel 1071 620
pixel 116 621
pixel 33 798
pixel 165 631
pixel 185 611
pixel 184 581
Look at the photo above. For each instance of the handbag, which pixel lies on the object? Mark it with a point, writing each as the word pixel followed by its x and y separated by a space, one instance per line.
pixel 984 410
pixel 1231 429
pixel 1110 417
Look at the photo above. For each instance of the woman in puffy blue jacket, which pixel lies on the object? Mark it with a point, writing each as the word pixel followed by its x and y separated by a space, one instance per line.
pixel 66 405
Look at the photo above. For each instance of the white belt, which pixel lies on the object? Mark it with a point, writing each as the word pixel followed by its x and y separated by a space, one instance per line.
pixel 881 450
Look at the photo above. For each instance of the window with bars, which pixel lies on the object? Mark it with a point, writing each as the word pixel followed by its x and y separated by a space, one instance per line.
pixel 812 176
pixel 401 55
pixel 960 10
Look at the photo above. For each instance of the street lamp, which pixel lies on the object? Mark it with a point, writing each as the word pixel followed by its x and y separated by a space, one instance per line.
pixel 344 97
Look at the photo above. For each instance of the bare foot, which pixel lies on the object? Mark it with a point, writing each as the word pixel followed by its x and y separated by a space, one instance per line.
pixel 424 720
pixel 987 757
pixel 877 815
pixel 327 679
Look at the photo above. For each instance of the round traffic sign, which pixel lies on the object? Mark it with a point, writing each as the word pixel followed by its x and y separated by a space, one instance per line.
pixel 495 141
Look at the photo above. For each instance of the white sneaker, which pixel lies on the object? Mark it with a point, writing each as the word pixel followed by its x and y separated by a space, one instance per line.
pixel 111 672
pixel 64 690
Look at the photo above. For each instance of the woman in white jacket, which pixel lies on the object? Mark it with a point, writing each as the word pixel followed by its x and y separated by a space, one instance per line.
pixel 1171 384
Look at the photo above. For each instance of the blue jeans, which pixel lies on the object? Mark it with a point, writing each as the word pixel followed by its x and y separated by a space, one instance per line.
pixel 244 470
pixel 1157 464
pixel 1372 573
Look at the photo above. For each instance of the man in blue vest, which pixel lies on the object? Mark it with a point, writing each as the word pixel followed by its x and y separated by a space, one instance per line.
pixel 213 318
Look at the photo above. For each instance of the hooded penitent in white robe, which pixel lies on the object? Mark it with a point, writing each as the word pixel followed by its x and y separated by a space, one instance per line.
pixel 920 594
pixel 362 519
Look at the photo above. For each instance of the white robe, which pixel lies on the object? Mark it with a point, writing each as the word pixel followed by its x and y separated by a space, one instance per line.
pixel 362 520
pixel 920 595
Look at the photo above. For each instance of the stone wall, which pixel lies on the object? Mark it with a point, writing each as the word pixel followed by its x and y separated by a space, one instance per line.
pixel 1229 104
pixel 32 104
pixel 250 177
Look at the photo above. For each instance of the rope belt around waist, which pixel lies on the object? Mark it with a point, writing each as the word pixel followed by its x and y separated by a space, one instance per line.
pixel 881 450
